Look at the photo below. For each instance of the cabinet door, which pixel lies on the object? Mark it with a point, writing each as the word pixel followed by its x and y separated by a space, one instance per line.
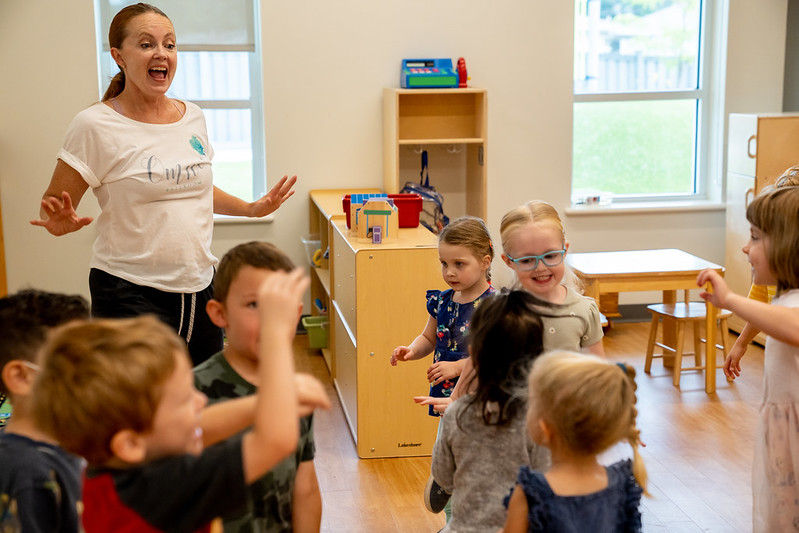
pixel 777 147
pixel 738 274
pixel 343 279
pixel 391 287
pixel 346 371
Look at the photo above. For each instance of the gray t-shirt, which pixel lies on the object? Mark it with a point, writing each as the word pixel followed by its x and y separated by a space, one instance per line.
pixel 479 463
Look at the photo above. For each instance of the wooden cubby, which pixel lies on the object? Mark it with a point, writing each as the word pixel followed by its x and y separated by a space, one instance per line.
pixel 325 207
pixel 451 125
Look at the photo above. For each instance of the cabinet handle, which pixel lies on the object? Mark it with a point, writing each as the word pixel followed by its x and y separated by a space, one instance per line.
pixel 748 195
pixel 749 147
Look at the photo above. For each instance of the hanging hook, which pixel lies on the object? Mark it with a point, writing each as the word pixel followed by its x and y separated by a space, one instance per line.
pixel 454 148
pixel 417 149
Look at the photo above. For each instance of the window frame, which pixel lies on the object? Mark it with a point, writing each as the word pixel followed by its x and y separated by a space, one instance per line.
pixel 708 111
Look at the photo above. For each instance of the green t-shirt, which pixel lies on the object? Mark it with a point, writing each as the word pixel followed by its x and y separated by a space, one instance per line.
pixel 269 506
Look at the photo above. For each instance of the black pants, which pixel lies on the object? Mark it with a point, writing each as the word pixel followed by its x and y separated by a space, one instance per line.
pixel 114 297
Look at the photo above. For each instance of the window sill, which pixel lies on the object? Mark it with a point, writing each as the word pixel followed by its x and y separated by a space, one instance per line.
pixel 637 208
pixel 227 219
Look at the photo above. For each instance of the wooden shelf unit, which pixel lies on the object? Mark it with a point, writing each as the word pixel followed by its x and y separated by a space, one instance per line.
pixel 379 302
pixel 451 124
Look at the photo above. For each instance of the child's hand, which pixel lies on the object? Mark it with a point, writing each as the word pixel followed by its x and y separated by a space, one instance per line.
pixel 732 363
pixel 310 394
pixel 444 370
pixel 401 353
pixel 439 404
pixel 720 292
pixel 280 292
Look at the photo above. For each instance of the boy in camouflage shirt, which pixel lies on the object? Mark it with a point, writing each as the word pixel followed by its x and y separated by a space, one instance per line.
pixel 287 498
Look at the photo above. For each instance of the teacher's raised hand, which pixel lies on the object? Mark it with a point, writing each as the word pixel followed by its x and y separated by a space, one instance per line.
pixel 278 194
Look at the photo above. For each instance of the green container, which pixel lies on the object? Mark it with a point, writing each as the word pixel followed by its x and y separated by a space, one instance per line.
pixel 316 326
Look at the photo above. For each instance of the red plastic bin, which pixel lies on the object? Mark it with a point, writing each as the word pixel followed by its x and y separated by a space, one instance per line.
pixel 409 207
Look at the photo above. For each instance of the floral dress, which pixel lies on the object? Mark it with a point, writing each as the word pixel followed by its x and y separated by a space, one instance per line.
pixel 451 334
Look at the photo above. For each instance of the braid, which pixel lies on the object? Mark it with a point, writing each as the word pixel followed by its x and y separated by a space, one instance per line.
pixel 634 434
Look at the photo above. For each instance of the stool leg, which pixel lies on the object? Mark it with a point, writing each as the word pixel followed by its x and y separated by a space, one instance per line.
pixel 650 348
pixel 697 345
pixel 678 352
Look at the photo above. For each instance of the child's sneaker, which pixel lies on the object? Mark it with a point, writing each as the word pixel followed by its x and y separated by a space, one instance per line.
pixel 435 498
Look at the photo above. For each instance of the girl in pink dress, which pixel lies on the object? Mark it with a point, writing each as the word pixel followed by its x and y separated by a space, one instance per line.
pixel 773 252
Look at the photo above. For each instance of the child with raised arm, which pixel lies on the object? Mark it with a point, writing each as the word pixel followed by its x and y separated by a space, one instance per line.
pixel 579 406
pixel 761 293
pixel 41 478
pixel 121 394
pixel 465 251
pixel 287 498
pixel 773 252
pixel 484 440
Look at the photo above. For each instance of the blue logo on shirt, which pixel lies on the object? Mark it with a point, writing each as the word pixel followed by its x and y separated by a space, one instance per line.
pixel 197 145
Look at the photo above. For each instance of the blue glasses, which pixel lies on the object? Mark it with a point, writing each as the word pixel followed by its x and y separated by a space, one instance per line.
pixel 530 262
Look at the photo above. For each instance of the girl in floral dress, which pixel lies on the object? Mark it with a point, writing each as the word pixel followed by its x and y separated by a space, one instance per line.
pixel 465 251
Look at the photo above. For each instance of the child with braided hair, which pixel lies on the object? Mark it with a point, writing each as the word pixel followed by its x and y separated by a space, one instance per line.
pixel 579 406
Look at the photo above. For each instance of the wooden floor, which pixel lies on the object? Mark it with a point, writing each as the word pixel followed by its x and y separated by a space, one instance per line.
pixel 698 452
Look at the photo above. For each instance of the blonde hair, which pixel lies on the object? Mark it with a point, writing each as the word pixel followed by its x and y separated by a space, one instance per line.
pixel 538 212
pixel 589 402
pixel 789 178
pixel 472 233
pixel 776 214
pixel 101 377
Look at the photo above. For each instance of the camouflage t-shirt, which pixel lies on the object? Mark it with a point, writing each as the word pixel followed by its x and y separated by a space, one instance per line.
pixel 269 506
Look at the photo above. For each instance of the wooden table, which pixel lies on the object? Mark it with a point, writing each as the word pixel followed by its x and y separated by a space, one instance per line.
pixel 667 270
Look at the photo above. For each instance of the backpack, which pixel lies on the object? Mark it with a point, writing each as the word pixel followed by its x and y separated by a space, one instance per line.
pixel 432 216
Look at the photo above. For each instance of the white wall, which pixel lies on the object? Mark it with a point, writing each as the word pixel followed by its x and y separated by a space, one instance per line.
pixel 325 64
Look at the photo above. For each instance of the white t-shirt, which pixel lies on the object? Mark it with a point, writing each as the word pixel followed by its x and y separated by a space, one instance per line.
pixel 155 189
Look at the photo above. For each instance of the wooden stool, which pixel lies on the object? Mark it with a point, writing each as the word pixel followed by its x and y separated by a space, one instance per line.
pixel 681 313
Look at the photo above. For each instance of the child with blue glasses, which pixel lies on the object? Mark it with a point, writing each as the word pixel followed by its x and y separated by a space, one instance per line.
pixel 534 246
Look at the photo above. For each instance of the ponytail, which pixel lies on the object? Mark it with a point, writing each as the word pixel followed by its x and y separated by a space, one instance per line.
pixel 115 87
pixel 634 434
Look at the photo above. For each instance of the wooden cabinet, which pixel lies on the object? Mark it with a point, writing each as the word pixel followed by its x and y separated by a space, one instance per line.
pixel 375 299
pixel 451 125
pixel 379 303
pixel 326 206
pixel 760 148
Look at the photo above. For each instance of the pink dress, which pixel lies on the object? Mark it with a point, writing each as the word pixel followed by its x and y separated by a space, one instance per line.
pixel 776 466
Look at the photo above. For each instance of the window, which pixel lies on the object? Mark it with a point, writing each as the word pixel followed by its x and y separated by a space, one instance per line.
pixel 219 69
pixel 641 100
